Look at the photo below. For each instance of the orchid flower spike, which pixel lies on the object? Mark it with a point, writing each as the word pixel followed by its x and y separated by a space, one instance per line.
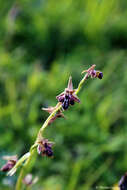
pixel 68 97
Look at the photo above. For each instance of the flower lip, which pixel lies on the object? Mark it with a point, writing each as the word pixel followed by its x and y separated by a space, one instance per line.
pixel 65 104
pixel 11 161
pixel 100 76
pixel 72 102
pixel 45 148
pixel 123 182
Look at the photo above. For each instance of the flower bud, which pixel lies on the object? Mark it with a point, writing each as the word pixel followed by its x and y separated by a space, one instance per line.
pixel 28 180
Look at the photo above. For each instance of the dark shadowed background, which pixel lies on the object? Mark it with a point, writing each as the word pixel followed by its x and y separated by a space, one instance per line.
pixel 42 43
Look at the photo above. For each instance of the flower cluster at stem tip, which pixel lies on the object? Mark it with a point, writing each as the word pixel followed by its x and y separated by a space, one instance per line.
pixel 93 73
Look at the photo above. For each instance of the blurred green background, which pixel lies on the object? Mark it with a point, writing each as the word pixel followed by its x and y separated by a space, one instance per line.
pixel 42 43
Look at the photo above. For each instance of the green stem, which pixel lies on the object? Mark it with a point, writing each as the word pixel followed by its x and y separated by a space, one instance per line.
pixel 33 151
pixel 24 170
pixel 27 164
pixel 81 83
pixel 58 107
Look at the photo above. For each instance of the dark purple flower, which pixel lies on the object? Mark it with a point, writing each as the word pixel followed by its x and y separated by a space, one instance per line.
pixel 68 97
pixel 45 148
pixel 11 161
pixel 123 182
pixel 72 102
pixel 66 102
pixel 93 73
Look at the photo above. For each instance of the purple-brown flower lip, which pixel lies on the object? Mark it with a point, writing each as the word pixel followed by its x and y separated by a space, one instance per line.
pixel 11 161
pixel 123 182
pixel 100 75
pixel 68 97
pixel 45 147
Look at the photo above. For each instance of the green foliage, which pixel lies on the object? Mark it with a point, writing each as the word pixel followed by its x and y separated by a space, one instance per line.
pixel 42 43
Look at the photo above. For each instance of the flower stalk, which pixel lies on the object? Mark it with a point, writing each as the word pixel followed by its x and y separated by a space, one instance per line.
pixel 33 151
pixel 65 99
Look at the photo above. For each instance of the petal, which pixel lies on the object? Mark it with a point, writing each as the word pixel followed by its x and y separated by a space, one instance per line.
pixel 6 167
pixel 84 71
pixel 49 109
pixel 60 115
pixel 90 69
pixel 60 96
pixel 15 158
pixel 75 98
pixel 70 85
pixel 52 119
pixel 39 149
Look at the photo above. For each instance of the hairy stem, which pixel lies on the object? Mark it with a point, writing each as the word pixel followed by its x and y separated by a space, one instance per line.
pixel 27 166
